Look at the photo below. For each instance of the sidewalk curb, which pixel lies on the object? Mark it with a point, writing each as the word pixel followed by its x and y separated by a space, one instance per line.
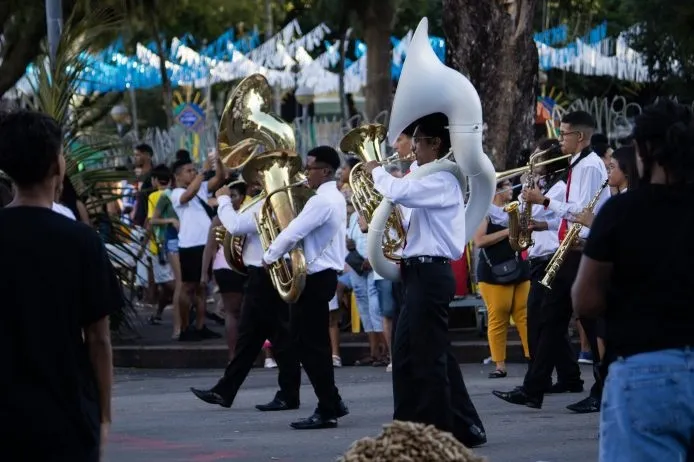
pixel 214 356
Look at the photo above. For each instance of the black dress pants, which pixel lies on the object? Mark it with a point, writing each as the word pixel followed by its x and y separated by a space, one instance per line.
pixel 311 338
pixel 428 385
pixel 552 348
pixel 264 315
pixel 565 356
pixel 590 327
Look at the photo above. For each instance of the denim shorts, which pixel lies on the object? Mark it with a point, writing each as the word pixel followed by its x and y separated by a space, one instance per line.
pixel 172 246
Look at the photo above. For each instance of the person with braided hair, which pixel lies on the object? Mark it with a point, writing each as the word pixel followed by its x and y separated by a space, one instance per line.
pixel 647 410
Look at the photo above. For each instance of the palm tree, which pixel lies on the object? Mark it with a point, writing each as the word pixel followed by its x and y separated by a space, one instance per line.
pixel 59 90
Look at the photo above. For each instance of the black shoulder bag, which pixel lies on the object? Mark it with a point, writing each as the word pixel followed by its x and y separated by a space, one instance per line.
pixel 208 210
pixel 505 272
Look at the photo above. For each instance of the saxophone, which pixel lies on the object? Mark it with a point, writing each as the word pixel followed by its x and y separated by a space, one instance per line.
pixel 519 233
pixel 571 236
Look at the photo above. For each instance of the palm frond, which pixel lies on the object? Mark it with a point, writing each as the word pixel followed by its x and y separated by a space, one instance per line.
pixel 90 156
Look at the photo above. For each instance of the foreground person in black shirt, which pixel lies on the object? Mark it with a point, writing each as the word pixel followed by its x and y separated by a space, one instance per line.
pixel 55 348
pixel 647 296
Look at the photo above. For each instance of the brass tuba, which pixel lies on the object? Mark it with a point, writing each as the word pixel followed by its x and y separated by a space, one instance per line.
pixel 248 127
pixel 285 198
pixel 519 233
pixel 365 142
pixel 258 142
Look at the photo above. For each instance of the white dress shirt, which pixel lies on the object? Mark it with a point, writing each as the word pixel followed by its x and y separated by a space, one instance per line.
pixel 497 215
pixel 437 222
pixel 322 225
pixel 586 178
pixel 546 242
pixel 243 224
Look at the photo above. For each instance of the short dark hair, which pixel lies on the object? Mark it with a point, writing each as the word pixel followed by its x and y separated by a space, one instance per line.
pixel 352 161
pixel 146 148
pixel 436 126
pixel 548 143
pixel 409 130
pixel 30 145
pixel 183 154
pixel 326 155
pixel 579 119
pixel 600 144
pixel 240 187
pixel 162 173
pixel 176 167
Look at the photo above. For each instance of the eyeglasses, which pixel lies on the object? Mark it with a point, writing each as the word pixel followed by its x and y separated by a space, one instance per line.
pixel 565 134
pixel 417 139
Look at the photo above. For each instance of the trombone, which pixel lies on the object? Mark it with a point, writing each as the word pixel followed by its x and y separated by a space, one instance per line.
pixel 515 172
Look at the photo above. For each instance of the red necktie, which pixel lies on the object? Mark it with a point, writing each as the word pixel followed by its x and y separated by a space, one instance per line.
pixel 564 226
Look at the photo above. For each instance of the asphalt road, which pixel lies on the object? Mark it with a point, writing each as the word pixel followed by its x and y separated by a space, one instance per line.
pixel 157 419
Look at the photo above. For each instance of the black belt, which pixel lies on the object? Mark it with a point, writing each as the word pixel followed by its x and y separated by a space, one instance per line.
pixel 424 259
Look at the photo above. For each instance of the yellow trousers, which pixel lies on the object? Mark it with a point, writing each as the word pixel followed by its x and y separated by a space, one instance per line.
pixel 503 303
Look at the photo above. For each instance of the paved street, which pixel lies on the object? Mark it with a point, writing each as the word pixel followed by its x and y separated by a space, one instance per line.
pixel 157 419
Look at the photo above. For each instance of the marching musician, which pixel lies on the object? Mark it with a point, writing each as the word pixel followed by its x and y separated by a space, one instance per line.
pixel 544 226
pixel 586 176
pixel 264 315
pixel 321 225
pixel 428 385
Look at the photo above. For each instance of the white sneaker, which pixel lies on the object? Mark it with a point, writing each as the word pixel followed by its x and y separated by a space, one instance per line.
pixel 337 361
pixel 390 367
pixel 270 363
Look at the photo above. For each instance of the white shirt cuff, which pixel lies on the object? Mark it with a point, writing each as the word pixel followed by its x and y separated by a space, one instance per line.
pixel 378 171
pixel 221 200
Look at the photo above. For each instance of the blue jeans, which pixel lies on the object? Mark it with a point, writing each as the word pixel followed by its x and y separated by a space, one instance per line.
pixel 647 411
pixel 386 305
pixel 366 294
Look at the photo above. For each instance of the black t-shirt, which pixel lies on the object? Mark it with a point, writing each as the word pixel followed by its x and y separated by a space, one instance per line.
pixel 55 280
pixel 499 253
pixel 142 198
pixel 646 234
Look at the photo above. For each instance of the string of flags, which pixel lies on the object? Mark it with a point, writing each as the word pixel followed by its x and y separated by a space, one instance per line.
pixel 286 60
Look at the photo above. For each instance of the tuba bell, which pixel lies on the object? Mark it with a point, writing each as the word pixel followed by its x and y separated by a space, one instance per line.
pixel 365 142
pixel 428 86
pixel 285 198
pixel 248 126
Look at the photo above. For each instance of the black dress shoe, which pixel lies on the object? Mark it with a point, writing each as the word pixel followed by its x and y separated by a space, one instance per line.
pixel 315 422
pixel 342 409
pixel 211 397
pixel 561 387
pixel 277 404
pixel 475 437
pixel 585 406
pixel 519 396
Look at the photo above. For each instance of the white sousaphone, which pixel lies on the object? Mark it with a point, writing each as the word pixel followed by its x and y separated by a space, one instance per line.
pixel 428 86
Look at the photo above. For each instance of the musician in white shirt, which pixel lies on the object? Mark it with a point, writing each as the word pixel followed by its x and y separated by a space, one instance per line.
pixel 428 386
pixel 321 227
pixel 586 175
pixel 264 315
pixel 545 225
